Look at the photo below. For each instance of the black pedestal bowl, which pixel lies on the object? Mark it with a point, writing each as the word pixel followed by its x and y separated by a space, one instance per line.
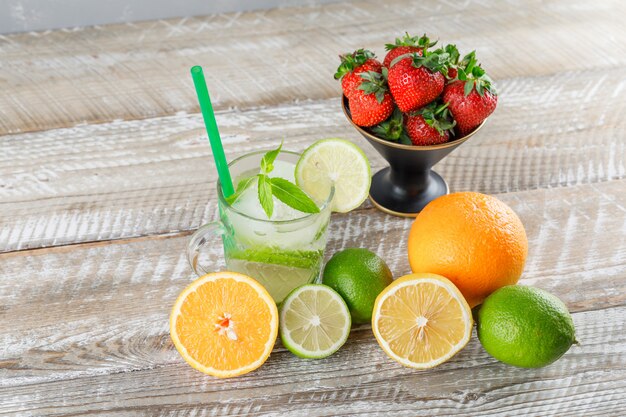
pixel 408 183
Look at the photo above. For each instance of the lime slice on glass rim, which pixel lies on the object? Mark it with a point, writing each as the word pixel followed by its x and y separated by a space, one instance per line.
pixel 314 321
pixel 338 162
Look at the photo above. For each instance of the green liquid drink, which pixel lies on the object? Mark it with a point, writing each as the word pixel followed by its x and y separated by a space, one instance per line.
pixel 282 252
pixel 278 276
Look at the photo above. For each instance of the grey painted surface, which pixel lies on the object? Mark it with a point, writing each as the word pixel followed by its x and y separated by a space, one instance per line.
pixel 28 15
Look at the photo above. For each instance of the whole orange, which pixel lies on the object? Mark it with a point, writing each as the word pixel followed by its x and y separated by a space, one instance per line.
pixel 473 239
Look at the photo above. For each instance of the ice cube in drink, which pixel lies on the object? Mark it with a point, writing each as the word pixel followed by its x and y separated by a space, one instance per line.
pixel 280 254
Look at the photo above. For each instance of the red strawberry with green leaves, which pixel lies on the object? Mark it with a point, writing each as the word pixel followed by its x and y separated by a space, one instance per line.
pixel 430 125
pixel 393 129
pixel 353 64
pixel 453 60
pixel 406 45
pixel 472 97
pixel 415 81
pixel 371 103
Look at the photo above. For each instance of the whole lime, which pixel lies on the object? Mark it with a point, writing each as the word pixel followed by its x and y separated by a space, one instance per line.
pixel 525 326
pixel 358 275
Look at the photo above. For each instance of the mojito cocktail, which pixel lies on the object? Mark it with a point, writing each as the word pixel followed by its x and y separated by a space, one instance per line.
pixel 282 251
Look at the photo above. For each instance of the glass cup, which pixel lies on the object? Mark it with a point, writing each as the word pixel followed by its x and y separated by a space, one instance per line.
pixel 280 254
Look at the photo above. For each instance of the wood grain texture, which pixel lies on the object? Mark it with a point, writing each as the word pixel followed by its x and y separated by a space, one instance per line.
pixel 105 171
pixel 588 380
pixel 89 328
pixel 152 176
pixel 62 78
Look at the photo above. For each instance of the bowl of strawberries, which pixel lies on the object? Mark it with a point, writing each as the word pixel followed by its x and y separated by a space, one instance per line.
pixel 414 108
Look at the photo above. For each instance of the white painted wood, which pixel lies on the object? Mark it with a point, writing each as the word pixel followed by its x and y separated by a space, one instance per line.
pixel 144 177
pixel 96 309
pixel 101 211
pixel 359 379
pixel 63 78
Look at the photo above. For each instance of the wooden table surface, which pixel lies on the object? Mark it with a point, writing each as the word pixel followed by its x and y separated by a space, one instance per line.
pixel 105 171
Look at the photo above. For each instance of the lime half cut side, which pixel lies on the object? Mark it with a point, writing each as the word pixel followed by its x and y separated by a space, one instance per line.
pixel 314 321
pixel 338 162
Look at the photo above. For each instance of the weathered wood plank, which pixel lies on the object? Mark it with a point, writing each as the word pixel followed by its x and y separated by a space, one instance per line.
pixel 152 176
pixel 86 324
pixel 61 78
pixel 84 310
pixel 359 379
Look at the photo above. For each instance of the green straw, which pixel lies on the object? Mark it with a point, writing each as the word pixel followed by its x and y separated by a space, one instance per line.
pixel 211 129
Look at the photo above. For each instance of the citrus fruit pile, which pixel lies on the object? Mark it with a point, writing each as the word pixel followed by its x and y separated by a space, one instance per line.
pixel 465 250
pixel 479 244
pixel 225 324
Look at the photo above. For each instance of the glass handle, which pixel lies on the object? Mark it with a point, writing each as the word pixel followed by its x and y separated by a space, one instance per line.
pixel 199 241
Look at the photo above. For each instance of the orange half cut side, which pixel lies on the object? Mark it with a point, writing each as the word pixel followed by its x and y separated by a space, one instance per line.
pixel 224 324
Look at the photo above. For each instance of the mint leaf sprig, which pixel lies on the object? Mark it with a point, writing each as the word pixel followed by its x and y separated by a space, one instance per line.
pixel 267 162
pixel 242 186
pixel 265 194
pixel 283 190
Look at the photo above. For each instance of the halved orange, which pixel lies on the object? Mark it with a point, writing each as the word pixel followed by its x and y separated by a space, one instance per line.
pixel 421 320
pixel 224 324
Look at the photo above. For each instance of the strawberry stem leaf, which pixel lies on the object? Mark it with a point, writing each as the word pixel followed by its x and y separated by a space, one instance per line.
pixel 393 128
pixel 437 115
pixel 407 40
pixel 469 86
pixel 435 61
pixel 474 76
pixel 350 61
pixel 374 83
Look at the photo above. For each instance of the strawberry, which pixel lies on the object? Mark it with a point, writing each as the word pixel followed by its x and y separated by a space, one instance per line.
pixel 453 60
pixel 393 129
pixel 415 80
pixel 371 103
pixel 406 45
pixel 472 97
pixel 430 125
pixel 352 64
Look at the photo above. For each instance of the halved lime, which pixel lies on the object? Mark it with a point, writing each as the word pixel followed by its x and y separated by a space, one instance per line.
pixel 314 321
pixel 338 162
